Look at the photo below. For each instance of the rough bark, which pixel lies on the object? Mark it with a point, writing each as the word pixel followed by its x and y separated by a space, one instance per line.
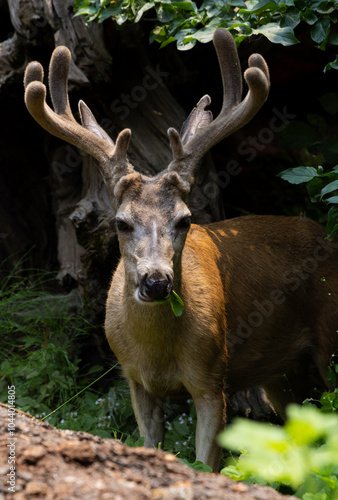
pixel 58 465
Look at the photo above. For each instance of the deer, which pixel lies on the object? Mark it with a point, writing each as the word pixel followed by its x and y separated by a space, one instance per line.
pixel 252 287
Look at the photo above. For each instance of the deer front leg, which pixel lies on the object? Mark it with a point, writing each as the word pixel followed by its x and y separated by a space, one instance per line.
pixel 149 415
pixel 210 409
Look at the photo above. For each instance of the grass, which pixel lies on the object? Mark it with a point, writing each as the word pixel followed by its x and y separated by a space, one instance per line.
pixel 42 338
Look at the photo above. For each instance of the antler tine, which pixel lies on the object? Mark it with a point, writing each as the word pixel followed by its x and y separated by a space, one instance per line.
pixel 33 73
pixel 234 114
pixel 230 68
pixel 58 81
pixel 257 61
pixel 61 122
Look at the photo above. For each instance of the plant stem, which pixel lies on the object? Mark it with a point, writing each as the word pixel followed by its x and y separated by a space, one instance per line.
pixel 80 392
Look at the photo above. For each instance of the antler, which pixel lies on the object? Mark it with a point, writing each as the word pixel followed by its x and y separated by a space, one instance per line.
pixel 199 133
pixel 187 151
pixel 112 161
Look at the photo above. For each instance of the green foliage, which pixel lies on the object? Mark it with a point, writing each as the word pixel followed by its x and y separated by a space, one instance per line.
pixel 27 321
pixel 186 22
pixel 329 400
pixel 40 335
pixel 199 466
pixel 302 455
pixel 40 340
pixel 180 430
pixel 312 143
pixel 321 186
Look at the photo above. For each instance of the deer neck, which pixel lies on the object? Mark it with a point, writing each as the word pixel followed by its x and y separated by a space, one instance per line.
pixel 156 322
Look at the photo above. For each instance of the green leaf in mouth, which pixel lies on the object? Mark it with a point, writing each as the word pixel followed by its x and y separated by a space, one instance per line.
pixel 176 303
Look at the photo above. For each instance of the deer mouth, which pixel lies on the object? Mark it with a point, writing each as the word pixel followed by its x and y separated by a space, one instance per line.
pixel 142 297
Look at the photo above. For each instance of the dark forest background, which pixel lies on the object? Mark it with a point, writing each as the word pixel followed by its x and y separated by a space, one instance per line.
pixel 54 210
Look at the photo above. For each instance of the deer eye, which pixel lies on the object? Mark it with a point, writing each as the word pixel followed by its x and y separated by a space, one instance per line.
pixel 123 227
pixel 183 223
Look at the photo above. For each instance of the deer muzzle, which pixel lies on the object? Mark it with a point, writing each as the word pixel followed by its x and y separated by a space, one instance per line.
pixel 155 287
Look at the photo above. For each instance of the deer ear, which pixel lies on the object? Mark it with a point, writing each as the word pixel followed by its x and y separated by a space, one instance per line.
pixel 89 122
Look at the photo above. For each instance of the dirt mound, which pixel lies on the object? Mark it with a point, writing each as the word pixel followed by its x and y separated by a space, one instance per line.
pixel 66 465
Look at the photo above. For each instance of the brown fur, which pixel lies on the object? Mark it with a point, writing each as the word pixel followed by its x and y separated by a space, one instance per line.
pixel 252 284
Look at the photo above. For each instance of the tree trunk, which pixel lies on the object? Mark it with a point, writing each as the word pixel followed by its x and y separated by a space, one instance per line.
pixel 55 464
pixel 58 186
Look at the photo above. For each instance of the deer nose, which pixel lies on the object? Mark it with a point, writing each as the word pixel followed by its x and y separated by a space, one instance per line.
pixel 155 287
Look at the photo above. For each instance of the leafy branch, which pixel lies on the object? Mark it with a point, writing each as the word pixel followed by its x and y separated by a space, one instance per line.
pixel 321 186
pixel 186 22
pixel 303 455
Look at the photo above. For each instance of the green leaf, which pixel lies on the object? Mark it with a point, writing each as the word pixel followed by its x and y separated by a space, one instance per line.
pixel 327 401
pixel 298 175
pixel 309 16
pixel 291 18
pixel 314 187
pixel 147 6
pixel 134 443
pixel 176 303
pixel 186 44
pixel 121 18
pixel 325 7
pixel 261 6
pixel 80 3
pixel 181 428
pixel 188 6
pixel 332 222
pixel 87 11
pixel 169 40
pixel 199 466
pixel 332 199
pixel 109 12
pixel 306 424
pixel 276 34
pixel 331 375
pixel 320 31
pixel 238 3
pixel 332 65
pixel 321 495
pixel 165 13
pixel 332 186
pixel 205 35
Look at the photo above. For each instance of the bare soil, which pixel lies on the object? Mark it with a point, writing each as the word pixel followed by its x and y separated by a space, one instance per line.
pixel 66 465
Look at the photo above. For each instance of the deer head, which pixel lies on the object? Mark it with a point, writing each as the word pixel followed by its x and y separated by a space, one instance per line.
pixel 152 214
